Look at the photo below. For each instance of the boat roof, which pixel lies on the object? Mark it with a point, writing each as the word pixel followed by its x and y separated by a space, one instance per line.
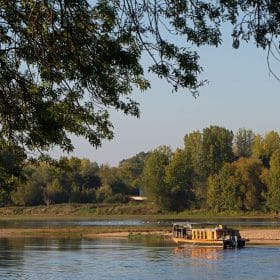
pixel 194 225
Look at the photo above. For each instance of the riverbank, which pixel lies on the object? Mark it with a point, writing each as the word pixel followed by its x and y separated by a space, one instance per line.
pixel 83 232
pixel 256 236
pixel 18 221
pixel 68 211
pixel 261 236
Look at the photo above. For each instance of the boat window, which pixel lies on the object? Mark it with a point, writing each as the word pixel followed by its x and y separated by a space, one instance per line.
pixel 213 235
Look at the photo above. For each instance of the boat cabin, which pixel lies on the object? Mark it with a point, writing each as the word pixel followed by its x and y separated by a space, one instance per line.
pixel 205 233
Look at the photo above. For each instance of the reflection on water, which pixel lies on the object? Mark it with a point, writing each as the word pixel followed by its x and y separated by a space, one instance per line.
pixel 205 257
pixel 196 252
pixel 45 258
pixel 11 252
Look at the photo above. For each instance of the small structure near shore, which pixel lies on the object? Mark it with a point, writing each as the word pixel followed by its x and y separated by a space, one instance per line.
pixel 138 198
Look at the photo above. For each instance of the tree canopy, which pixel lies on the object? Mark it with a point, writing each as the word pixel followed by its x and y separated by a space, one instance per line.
pixel 64 62
pixel 171 181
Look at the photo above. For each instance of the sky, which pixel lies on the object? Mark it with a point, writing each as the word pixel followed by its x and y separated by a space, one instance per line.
pixel 241 94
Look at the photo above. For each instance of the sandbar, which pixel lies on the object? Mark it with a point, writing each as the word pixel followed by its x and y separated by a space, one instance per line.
pixel 255 236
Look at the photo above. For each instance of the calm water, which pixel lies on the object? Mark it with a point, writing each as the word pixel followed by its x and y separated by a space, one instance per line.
pixel 88 223
pixel 42 258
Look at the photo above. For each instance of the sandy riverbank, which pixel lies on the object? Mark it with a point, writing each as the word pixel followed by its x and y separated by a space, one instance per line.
pixel 262 236
pixel 256 236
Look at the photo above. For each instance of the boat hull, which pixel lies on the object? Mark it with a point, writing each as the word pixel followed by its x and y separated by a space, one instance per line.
pixel 217 243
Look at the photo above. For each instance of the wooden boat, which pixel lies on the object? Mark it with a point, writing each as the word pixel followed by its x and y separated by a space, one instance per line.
pixel 202 234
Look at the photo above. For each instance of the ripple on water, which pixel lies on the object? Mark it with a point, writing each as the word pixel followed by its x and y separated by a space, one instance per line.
pixel 42 258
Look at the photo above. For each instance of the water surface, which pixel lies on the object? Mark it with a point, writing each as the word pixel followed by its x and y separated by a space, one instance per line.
pixel 252 222
pixel 43 258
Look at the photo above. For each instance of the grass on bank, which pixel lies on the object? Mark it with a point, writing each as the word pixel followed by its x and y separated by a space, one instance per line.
pixel 145 211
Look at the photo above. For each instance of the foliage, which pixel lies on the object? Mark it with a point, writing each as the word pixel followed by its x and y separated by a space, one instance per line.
pixel 112 177
pixel 208 151
pixel 178 176
pixel 11 165
pixel 237 186
pixel 216 148
pixel 27 195
pixel 248 172
pixel 263 147
pixel 171 181
pixel 103 193
pixel 82 195
pixel 243 141
pixel 58 56
pixel 80 172
pixel 55 192
pixel 155 185
pixel 130 171
pixel 193 147
pixel 272 180
pixel 72 180
pixel 223 190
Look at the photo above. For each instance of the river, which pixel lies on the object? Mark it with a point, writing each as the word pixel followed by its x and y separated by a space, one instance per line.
pixel 59 258
pixel 252 222
pixel 44 258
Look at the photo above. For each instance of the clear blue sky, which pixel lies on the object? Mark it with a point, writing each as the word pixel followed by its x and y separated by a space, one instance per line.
pixel 241 93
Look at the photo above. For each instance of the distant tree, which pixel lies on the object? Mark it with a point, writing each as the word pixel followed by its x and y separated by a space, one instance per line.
pixel 69 180
pixel 248 173
pixel 55 193
pixel 155 185
pixel 223 190
pixel 80 173
pixel 208 151
pixel 193 146
pixel 131 169
pixel 82 195
pixel 243 141
pixel 30 191
pixel 238 186
pixel 272 180
pixel 89 173
pixel 179 179
pixel 264 147
pixel 28 194
pixel 103 193
pixel 216 149
pixel 112 177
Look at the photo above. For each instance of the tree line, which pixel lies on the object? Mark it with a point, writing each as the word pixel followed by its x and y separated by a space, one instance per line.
pixel 215 169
